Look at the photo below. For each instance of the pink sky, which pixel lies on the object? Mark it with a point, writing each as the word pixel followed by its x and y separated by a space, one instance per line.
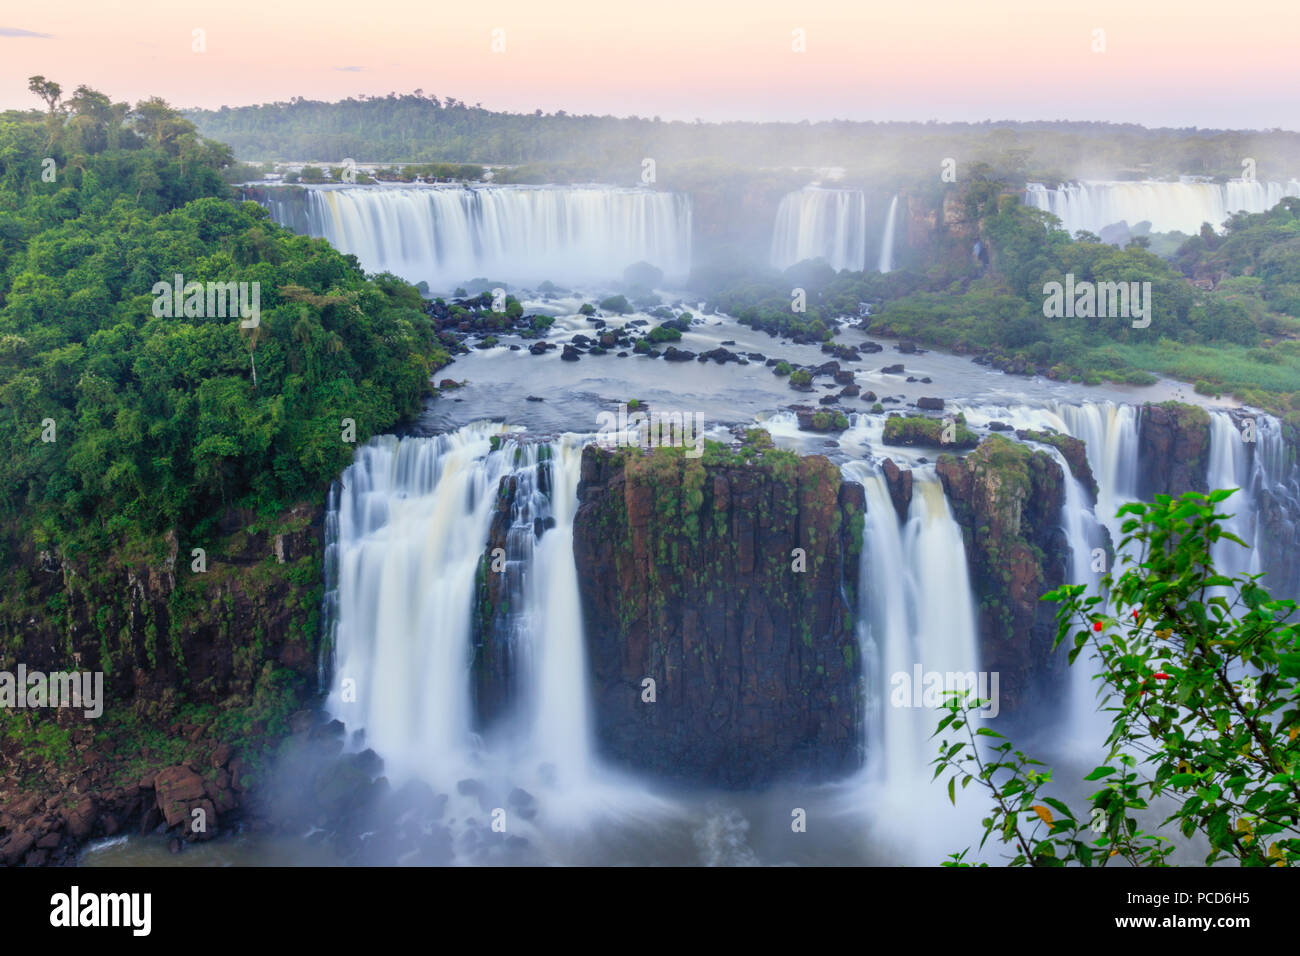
pixel 1165 63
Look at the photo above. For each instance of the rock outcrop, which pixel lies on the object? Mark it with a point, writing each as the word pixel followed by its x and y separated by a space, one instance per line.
pixel 1007 498
pixel 899 483
pixel 1173 449
pixel 203 651
pixel 511 535
pixel 729 583
pixel 1072 449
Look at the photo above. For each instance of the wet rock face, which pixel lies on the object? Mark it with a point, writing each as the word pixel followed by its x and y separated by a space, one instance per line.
pixel 255 581
pixel 1072 449
pixel 690 578
pixel 1279 519
pixel 899 482
pixel 1007 499
pixel 494 667
pixel 219 636
pixel 1173 449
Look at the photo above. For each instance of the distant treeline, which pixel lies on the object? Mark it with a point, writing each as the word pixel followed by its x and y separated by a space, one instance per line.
pixel 416 128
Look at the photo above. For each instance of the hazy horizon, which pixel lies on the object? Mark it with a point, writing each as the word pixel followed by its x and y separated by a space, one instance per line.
pixel 1173 64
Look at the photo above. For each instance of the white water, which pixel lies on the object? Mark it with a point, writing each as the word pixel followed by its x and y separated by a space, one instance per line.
pixel 1086 725
pixel 1229 467
pixel 1110 434
pixel 821 223
pixel 1109 431
pixel 915 608
pixel 887 243
pixel 1168 206
pixel 447 235
pixel 562 724
pixel 412 518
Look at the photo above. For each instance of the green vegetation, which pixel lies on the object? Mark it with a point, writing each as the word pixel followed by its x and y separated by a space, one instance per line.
pixel 429 173
pixel 829 421
pixel 919 430
pixel 615 303
pixel 120 424
pixel 1167 638
pixel 418 127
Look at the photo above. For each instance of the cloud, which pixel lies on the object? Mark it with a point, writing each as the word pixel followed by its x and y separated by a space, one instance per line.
pixel 349 69
pixel 16 32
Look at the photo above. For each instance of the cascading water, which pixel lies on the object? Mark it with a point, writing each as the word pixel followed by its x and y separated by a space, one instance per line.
pixel 1229 467
pixel 1109 432
pixel 821 223
pixel 916 617
pixel 447 235
pixel 1110 435
pixel 1168 206
pixel 1086 724
pixel 1275 499
pixel 562 723
pixel 887 243
pixel 412 520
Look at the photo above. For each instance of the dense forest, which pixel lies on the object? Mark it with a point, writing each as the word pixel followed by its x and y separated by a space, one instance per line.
pixel 416 127
pixel 119 422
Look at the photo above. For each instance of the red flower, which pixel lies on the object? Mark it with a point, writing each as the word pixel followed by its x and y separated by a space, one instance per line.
pixel 1097 626
pixel 1160 675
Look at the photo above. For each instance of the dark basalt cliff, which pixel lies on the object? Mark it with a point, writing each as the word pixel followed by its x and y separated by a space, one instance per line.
pixel 690 577
pixel 1173 449
pixel 154 624
pixel 1007 499
pixel 201 670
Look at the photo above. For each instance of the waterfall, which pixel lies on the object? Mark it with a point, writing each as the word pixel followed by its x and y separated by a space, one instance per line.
pixel 1275 498
pixel 1109 432
pixel 562 726
pixel 1086 725
pixel 447 235
pixel 1229 467
pixel 1168 206
pixel 887 243
pixel 883 627
pixel 916 617
pixel 1110 435
pixel 821 223
pixel 411 520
